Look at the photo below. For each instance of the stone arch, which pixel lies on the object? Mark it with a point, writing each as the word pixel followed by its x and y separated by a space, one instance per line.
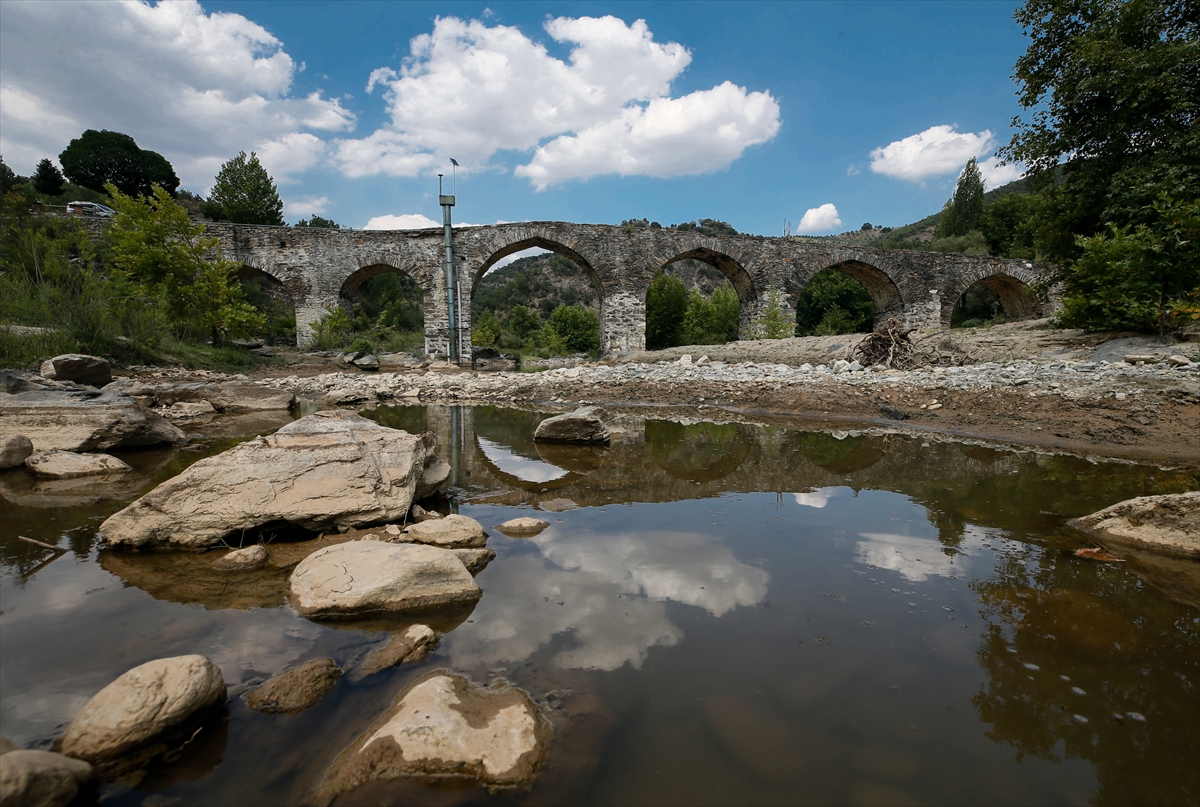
pixel 1017 297
pixel 275 297
pixel 885 294
pixel 542 243
pixel 734 272
pixel 371 266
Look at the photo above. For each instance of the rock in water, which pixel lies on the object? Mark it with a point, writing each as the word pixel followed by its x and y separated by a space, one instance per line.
pixel 77 419
pixel 411 646
pixel 66 464
pixel 581 426
pixel 241 560
pixel 445 726
pixel 141 705
pixel 451 532
pixel 40 778
pixel 476 560
pixel 1169 524
pixel 364 576
pixel 14 450
pixel 523 527
pixel 91 370
pixel 296 690
pixel 324 472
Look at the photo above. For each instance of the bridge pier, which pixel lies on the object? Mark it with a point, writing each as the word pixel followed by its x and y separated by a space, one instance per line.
pixel 622 322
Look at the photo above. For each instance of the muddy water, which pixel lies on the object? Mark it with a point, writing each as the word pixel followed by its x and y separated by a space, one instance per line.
pixel 730 614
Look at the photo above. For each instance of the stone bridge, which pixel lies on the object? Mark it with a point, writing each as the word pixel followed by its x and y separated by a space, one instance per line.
pixel 316 268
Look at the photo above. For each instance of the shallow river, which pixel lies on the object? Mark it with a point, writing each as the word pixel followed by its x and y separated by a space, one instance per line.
pixel 732 614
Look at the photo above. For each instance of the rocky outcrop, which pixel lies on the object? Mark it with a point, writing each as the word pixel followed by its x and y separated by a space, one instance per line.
pixel 584 425
pixel 452 532
pixel 241 560
pixel 523 527
pixel 148 701
pixel 1169 524
pixel 14 450
pixel 411 646
pixel 296 690
pixel 40 778
pixel 67 464
pixel 324 472
pixel 445 726
pixel 78 368
pixel 365 576
pixel 76 419
pixel 228 397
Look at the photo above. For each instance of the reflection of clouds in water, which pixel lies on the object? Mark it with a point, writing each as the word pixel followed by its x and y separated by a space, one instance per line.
pixel 266 642
pixel 916 558
pixel 612 589
pixel 522 468
pixel 815 498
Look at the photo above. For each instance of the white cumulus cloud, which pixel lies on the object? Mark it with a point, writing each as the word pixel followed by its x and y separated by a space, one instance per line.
pixel 469 90
pixel 194 86
pixel 819 219
pixel 306 206
pixel 936 151
pixel 405 221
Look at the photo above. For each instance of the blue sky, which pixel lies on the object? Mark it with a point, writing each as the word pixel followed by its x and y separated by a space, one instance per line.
pixel 830 114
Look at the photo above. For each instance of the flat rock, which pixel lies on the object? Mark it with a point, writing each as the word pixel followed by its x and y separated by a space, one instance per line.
pixel 452 532
pixel 77 419
pixel 325 472
pixel 445 726
pixel 66 464
pixel 14 450
pixel 1169 524
pixel 40 778
pixel 368 362
pixel 189 410
pixel 557 505
pixel 523 526
pixel 78 368
pixel 364 576
pixel 226 396
pixel 411 646
pixel 245 559
pixel 476 560
pixel 144 703
pixel 584 425
pixel 297 689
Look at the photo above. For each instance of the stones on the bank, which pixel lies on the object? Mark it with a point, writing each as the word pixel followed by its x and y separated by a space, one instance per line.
pixel 364 576
pixel 144 703
pixel 450 532
pixel 419 513
pixel 227 397
pixel 367 362
pixel 446 726
pixel 327 471
pixel 409 647
pixel 40 778
pixel 297 689
pixel 476 560
pixel 189 410
pixel 14 450
pixel 1169 524
pixel 78 419
pixel 584 425
pixel 67 464
pixel 523 527
pixel 242 560
pixel 1142 358
pixel 1178 360
pixel 557 505
pixel 78 368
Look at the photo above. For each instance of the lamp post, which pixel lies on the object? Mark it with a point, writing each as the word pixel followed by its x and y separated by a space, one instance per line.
pixel 447 202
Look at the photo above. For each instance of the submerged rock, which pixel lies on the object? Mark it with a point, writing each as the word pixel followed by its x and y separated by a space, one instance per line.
pixel 364 576
pixel 1168 524
pixel 77 419
pixel 557 505
pixel 413 645
pixel 66 464
pixel 581 426
pixel 144 703
pixel 79 368
pixel 445 726
pixel 14 450
pixel 476 560
pixel 327 471
pixel 297 689
pixel 40 778
pixel 246 559
pixel 523 527
pixel 452 532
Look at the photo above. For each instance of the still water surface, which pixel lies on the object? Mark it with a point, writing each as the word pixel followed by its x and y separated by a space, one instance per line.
pixel 732 614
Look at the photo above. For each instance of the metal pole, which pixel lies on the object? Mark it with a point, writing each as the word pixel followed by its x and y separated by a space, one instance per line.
pixel 447 202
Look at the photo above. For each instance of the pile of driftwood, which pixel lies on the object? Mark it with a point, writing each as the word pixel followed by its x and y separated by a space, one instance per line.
pixel 893 348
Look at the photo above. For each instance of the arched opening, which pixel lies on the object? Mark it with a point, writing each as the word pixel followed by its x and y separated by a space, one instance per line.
pixel 696 298
pixel 383 312
pixel 536 298
pixel 995 299
pixel 847 297
pixel 269 298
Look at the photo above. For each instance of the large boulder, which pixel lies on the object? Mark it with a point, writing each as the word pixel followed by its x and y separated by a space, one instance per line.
pixel 14 450
pixel 325 472
pixel 584 425
pixel 364 576
pixel 77 419
pixel 1168 524
pixel 297 689
pixel 78 368
pixel 67 464
pixel 446 727
pixel 452 532
pixel 40 778
pixel 143 704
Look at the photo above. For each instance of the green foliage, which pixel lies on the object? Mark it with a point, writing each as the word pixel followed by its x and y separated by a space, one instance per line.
pixel 833 289
pixel 705 227
pixel 522 322
pixel 486 330
pixel 835 321
pixel 971 243
pixel 1009 225
pixel 48 179
pixel 978 306
pixel 964 211
pixel 578 327
pixel 542 282
pixel 389 301
pixel 8 178
pixel 333 329
pixel 319 221
pixel 772 324
pixel 244 193
pixel 666 306
pixel 98 158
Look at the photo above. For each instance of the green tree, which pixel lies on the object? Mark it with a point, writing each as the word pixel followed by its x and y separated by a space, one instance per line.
pixel 155 243
pixel 47 178
pixel 97 158
pixel 244 193
pixel 772 324
pixel 319 221
pixel 1010 225
pixel 666 305
pixel 522 323
pixel 486 330
pixel 964 210
pixel 713 321
pixel 8 177
pixel 831 289
pixel 579 327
